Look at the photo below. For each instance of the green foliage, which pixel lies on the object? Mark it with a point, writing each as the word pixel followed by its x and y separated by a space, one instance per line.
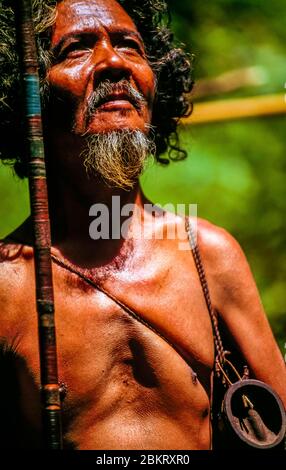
pixel 226 34
pixel 14 207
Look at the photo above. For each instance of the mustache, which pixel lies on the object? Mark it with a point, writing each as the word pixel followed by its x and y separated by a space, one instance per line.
pixel 106 88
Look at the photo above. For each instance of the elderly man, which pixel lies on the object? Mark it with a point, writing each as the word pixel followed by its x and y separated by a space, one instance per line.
pixel 135 344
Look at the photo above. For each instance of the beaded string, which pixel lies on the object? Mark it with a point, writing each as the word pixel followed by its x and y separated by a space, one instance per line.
pixel 220 352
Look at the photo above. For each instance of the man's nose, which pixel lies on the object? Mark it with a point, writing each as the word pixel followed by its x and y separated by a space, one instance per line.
pixel 109 63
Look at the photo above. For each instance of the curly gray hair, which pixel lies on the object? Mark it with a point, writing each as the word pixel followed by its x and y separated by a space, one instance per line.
pixel 172 67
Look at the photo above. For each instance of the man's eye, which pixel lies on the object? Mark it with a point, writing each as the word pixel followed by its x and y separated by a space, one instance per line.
pixel 129 44
pixel 73 50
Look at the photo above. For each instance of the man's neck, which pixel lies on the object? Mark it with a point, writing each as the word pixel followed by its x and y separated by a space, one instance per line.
pixel 71 218
pixel 73 208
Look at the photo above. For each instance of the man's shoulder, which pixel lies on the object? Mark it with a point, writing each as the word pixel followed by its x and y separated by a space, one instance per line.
pixel 14 258
pixel 16 248
pixel 216 241
pixel 217 246
pixel 15 286
pixel 13 251
pixel 226 266
pixel 8 253
pixel 222 254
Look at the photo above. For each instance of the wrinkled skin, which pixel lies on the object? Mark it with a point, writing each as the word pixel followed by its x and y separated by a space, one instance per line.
pixel 127 386
pixel 98 42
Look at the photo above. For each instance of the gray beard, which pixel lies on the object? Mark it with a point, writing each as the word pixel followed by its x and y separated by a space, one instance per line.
pixel 118 157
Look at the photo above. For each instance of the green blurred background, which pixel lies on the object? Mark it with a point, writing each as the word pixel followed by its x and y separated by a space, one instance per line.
pixel 235 171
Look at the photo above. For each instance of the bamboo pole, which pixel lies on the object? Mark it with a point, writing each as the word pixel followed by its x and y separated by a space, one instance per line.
pixel 224 110
pixel 229 81
pixel 50 394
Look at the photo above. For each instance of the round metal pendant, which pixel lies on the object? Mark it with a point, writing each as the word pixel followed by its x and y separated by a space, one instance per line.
pixel 255 414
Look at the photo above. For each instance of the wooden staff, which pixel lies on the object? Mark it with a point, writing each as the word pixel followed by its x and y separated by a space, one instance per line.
pixel 51 406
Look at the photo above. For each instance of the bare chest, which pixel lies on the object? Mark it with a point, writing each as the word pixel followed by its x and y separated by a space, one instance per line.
pixel 117 364
pixel 94 330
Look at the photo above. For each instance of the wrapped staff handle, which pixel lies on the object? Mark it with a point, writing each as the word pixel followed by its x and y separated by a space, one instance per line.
pixel 51 405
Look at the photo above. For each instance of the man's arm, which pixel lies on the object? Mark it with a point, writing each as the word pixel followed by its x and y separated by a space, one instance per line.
pixel 235 296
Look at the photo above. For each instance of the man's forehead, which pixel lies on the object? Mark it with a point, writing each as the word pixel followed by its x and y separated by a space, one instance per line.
pixel 83 7
pixel 88 11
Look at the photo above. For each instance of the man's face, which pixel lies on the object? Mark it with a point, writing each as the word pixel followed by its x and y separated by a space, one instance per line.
pixel 95 42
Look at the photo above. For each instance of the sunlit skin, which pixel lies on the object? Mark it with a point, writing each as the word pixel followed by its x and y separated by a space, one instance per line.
pixel 99 43
pixel 127 387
